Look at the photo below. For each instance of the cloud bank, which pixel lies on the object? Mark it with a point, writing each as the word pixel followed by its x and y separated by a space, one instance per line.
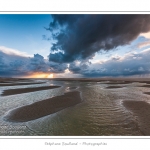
pixel 128 65
pixel 16 64
pixel 79 37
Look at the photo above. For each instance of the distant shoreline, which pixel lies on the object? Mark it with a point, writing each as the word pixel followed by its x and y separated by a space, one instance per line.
pixel 2 79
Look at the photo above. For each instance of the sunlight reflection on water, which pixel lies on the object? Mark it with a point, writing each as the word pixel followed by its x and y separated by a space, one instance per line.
pixel 100 113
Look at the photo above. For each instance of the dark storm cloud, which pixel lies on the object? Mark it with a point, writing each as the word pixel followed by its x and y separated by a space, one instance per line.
pixel 57 68
pixel 78 67
pixel 80 36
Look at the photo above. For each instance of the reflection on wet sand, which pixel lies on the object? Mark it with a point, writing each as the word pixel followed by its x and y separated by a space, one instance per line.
pixel 15 84
pixel 141 112
pixel 148 93
pixel 44 107
pixel 26 90
pixel 113 87
pixel 46 110
pixel 145 86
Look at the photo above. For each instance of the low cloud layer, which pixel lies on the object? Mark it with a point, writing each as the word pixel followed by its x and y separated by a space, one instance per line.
pixel 128 65
pixel 14 63
pixel 79 37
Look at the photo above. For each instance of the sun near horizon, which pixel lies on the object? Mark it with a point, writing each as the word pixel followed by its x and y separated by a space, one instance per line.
pixel 40 75
pixel 51 76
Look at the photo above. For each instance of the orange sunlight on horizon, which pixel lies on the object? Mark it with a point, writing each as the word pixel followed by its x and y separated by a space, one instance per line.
pixel 51 76
pixel 40 75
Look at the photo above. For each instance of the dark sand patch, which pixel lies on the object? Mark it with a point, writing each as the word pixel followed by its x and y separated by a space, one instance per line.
pixel 147 93
pixel 14 79
pixel 141 110
pixel 118 82
pixel 113 87
pixel 26 90
pixel 145 86
pixel 15 84
pixel 44 107
pixel 147 82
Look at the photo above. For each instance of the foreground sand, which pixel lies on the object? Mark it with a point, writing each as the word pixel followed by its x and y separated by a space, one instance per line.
pixel 44 107
pixel 26 90
pixel 141 112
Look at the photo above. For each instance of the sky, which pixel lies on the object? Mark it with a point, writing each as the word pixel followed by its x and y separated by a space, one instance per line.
pixel 73 45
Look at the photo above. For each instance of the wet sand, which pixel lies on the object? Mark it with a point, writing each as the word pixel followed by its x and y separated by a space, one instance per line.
pixel 44 107
pixel 141 111
pixel 71 88
pixel 145 86
pixel 119 82
pixel 147 93
pixel 147 82
pixel 15 84
pixel 113 80
pixel 113 87
pixel 26 90
pixel 14 80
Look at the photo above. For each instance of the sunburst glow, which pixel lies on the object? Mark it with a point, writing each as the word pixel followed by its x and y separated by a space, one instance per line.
pixel 51 76
pixel 39 75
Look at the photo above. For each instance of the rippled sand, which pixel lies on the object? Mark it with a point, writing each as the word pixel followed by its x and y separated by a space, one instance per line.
pixel 26 90
pixel 141 112
pixel 44 108
pixel 108 107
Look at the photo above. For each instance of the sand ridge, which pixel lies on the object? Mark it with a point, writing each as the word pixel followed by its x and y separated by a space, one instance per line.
pixel 15 84
pixel 44 107
pixel 26 90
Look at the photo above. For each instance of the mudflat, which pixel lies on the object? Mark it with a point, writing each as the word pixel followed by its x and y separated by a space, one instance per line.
pixel 148 93
pixel 141 112
pixel 44 107
pixel 15 84
pixel 147 85
pixel 113 87
pixel 26 90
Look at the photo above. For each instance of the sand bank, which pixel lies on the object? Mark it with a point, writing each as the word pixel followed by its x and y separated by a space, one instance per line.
pixel 15 84
pixel 14 79
pixel 26 90
pixel 119 82
pixel 113 87
pixel 44 107
pixel 147 82
pixel 141 111
pixel 145 86
pixel 147 93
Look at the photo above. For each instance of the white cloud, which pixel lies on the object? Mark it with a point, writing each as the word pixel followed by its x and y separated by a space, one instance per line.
pixel 16 63
pixel 144 44
pixel 127 65
pixel 146 35
pixel 10 51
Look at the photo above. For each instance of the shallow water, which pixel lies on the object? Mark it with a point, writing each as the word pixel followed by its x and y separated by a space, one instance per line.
pixel 100 113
